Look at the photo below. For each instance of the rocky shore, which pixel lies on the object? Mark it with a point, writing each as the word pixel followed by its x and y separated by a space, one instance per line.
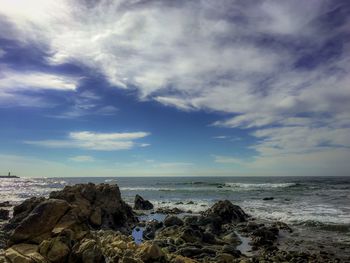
pixel 91 223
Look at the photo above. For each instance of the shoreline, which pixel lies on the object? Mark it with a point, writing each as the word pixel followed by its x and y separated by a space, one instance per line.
pixel 262 239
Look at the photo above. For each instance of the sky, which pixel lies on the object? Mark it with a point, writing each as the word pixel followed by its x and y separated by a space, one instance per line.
pixel 174 88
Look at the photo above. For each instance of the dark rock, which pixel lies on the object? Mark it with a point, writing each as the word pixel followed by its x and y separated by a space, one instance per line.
pixel 264 236
pixel 4 214
pixel 283 226
pixel 5 204
pixel 167 210
pixel 268 198
pixel 229 249
pixel 189 252
pixel 227 212
pixel 142 204
pixel 150 229
pixel 173 221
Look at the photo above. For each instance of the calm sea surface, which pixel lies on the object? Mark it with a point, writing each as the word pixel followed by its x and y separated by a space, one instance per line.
pixel 319 202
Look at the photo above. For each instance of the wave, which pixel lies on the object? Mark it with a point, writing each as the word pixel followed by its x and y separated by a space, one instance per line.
pixel 250 186
pixel 344 228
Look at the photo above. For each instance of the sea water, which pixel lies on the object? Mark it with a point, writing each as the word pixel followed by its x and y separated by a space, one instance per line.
pixel 314 202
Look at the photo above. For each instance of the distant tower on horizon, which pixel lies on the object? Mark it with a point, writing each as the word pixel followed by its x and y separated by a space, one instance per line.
pixel 9 174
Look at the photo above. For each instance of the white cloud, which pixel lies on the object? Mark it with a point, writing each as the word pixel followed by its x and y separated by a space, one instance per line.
pixel 11 81
pixel 95 141
pixel 82 158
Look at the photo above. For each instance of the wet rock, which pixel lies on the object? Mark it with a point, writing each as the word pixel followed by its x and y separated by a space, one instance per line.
pixel 4 214
pixel 283 226
pixel 264 237
pixel 167 210
pixel 142 204
pixel 39 223
pixel 227 212
pixel 268 198
pixel 173 221
pixel 5 204
pixel 150 229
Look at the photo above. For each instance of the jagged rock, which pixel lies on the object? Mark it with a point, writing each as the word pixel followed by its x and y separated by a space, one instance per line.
pixel 173 221
pixel 38 224
pixel 142 204
pixel 24 253
pixel 4 214
pixel 227 212
pixel 101 205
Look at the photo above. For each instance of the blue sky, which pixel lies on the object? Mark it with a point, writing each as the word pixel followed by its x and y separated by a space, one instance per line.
pixel 182 88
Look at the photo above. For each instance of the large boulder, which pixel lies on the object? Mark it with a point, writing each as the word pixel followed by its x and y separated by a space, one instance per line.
pixel 99 205
pixel 227 212
pixel 142 204
pixel 38 224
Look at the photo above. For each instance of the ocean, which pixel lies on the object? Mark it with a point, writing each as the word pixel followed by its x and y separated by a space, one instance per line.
pixel 321 203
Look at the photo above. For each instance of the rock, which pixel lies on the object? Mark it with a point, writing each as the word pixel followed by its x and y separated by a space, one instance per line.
pixel 264 236
pixel 5 204
pixel 100 205
pixel 282 226
pixel 39 223
pixel 24 253
pixel 167 210
pixel 4 214
pixel 229 249
pixel 88 251
pixel 151 252
pixel 142 204
pixel 189 252
pixel 96 216
pixel 55 250
pixel 150 229
pixel 21 211
pixel 190 203
pixel 173 221
pixel 227 212
pixel 268 198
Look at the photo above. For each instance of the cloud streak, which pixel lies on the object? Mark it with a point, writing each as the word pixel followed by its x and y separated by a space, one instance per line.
pixel 95 141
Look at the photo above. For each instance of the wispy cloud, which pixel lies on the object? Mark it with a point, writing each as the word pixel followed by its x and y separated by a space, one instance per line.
pixel 11 81
pixel 227 159
pixel 82 158
pixel 95 141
